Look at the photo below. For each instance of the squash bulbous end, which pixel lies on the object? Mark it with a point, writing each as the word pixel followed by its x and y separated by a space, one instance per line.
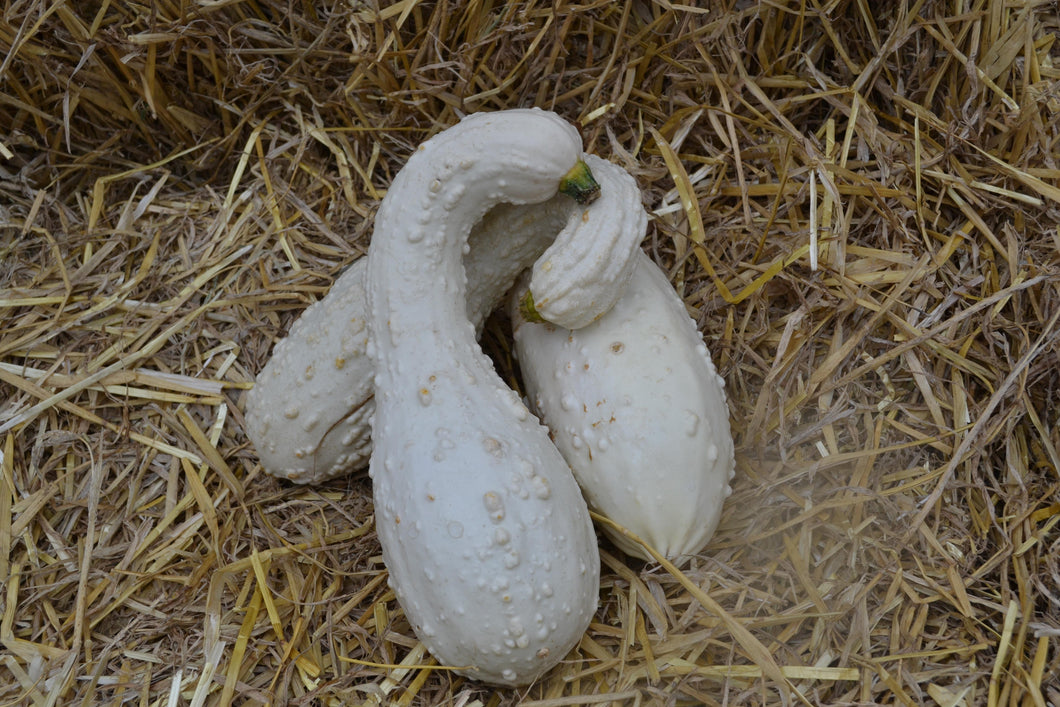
pixel 579 184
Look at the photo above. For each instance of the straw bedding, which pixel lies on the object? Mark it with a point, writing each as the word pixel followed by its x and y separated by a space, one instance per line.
pixel 858 202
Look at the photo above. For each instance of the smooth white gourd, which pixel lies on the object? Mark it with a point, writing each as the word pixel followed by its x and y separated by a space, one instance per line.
pixel 638 411
pixel 484 532
pixel 308 414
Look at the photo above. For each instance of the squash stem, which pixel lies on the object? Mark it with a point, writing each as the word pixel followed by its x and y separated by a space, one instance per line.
pixel 579 184
pixel 528 310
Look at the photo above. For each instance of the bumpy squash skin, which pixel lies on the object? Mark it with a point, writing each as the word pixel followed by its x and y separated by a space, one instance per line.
pixel 308 414
pixel 578 279
pixel 485 534
pixel 638 410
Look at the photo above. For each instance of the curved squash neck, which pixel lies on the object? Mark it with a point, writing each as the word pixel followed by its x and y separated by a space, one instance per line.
pixel 416 272
pixel 423 279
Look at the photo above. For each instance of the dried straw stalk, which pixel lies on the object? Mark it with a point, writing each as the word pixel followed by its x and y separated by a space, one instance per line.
pixel 859 202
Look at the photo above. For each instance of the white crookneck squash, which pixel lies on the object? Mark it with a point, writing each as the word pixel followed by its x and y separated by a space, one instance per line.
pixel 638 411
pixel 484 531
pixel 308 414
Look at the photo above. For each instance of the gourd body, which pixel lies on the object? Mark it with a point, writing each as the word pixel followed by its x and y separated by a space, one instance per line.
pixel 485 534
pixel 638 411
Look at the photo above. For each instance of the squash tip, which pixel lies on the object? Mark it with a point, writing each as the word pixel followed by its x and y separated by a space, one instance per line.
pixel 528 310
pixel 579 184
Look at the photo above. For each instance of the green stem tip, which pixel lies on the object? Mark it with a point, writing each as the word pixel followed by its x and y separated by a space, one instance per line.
pixel 579 184
pixel 528 310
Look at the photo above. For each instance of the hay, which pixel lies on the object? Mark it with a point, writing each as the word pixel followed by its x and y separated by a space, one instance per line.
pixel 858 201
